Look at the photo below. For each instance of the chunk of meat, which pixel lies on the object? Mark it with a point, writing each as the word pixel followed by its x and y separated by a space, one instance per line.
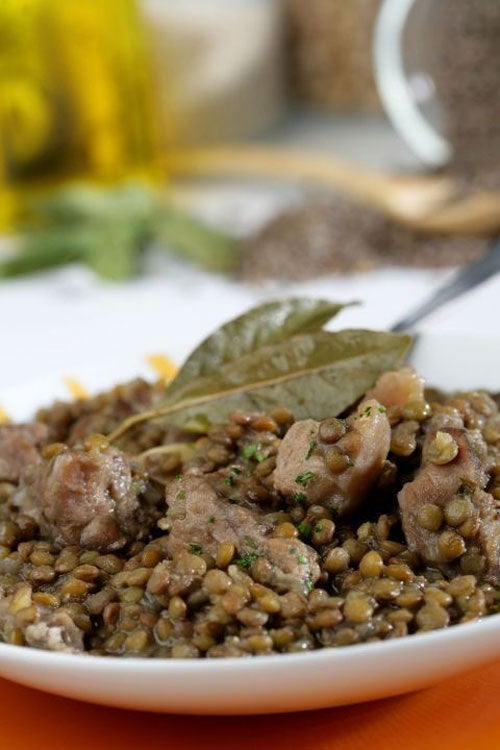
pixel 302 464
pixel 198 516
pixel 52 630
pixel 440 484
pixel 55 631
pixel 398 387
pixel 85 497
pixel 19 448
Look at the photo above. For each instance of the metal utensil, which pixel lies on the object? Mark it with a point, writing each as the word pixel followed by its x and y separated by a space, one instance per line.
pixel 467 278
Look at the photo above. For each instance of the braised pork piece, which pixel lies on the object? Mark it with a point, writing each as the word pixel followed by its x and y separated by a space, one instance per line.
pixel 265 536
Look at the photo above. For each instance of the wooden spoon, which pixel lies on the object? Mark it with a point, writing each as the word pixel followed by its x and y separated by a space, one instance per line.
pixel 434 205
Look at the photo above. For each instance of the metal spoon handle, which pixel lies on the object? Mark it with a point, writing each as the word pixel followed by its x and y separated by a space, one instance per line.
pixel 467 278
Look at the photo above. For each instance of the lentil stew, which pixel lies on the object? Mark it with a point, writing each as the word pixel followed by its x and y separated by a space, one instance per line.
pixel 266 535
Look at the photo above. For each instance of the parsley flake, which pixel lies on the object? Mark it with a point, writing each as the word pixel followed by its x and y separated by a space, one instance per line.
pixel 196 549
pixel 246 561
pixel 302 559
pixel 299 498
pixel 250 450
pixel 304 478
pixel 312 447
pixel 304 529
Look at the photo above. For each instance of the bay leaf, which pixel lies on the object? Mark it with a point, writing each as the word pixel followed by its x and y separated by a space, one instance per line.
pixel 263 325
pixel 315 375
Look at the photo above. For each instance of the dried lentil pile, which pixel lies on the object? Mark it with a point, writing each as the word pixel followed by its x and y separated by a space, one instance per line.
pixel 339 236
pixel 141 601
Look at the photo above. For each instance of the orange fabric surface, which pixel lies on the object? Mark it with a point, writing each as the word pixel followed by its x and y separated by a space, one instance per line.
pixel 460 714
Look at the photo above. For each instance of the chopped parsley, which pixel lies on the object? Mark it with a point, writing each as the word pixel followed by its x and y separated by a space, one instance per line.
pixel 368 411
pixel 178 477
pixel 304 529
pixel 299 498
pixel 310 585
pixel 235 470
pixel 181 495
pixel 229 480
pixel 246 561
pixel 382 409
pixel 259 457
pixel 349 461
pixel 250 450
pixel 312 447
pixel 196 549
pixel 318 528
pixel 304 478
pixel 211 519
pixel 302 559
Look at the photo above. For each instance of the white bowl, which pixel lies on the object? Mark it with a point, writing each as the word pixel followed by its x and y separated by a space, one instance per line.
pixel 288 682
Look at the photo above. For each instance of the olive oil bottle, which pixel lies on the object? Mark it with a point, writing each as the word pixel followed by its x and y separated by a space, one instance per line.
pixel 76 97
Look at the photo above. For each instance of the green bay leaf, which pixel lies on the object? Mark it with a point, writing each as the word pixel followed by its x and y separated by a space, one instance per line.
pixel 268 323
pixel 315 375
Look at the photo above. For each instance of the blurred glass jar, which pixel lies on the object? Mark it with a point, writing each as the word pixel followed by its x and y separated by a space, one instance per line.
pixel 330 53
pixel 219 67
pixel 437 66
pixel 76 97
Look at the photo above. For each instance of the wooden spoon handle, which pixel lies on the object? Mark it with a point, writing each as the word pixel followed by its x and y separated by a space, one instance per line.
pixel 365 185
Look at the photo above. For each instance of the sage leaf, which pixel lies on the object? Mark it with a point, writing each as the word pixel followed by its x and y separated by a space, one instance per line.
pixel 114 254
pixel 268 323
pixel 208 247
pixel 34 260
pixel 82 202
pixel 315 375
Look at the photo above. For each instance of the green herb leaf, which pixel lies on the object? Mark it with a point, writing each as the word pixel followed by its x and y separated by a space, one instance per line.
pixel 195 549
pixel 304 529
pixel 314 375
pixel 304 478
pixel 48 253
pixel 269 323
pixel 206 246
pixel 108 228
pixel 300 498
pixel 114 255
pixel 312 447
pixel 246 561
pixel 250 450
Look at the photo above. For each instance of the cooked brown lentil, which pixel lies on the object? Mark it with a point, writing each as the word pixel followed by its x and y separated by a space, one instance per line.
pixel 139 601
